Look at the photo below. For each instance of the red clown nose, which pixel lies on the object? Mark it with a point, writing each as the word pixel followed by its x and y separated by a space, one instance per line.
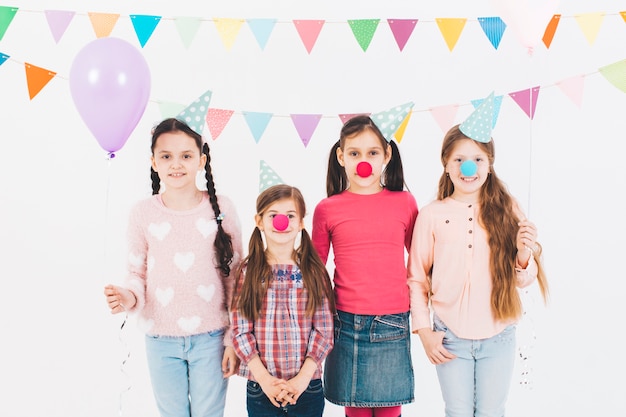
pixel 364 169
pixel 280 222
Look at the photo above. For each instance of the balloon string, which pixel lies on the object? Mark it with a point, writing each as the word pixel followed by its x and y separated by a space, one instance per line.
pixel 530 155
pixel 123 364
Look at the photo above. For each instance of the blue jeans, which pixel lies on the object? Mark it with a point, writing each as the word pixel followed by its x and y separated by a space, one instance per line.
pixel 186 374
pixel 309 404
pixel 370 363
pixel 476 383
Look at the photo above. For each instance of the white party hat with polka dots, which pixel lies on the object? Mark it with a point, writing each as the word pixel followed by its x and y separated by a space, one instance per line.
pixel 389 121
pixel 479 124
pixel 195 113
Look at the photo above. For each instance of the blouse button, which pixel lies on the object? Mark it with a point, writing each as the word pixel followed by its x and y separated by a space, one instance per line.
pixel 447 221
pixel 470 206
pixel 471 218
pixel 469 246
pixel 470 231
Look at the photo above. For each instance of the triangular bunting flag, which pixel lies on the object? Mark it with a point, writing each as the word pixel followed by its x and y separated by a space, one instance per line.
pixel 573 88
pixel 261 29
pixel 217 119
pixel 400 132
pixel 623 14
pixel 6 16
pixel 187 28
pixel 497 103
pixel 494 29
pixel 169 109
pixel 445 116
pixel 228 29
pixel 305 125
pixel 590 25
pixel 615 74
pixel 257 122
pixel 347 116
pixel 58 21
pixel 527 100
pixel 267 177
pixel 144 26
pixel 389 121
pixel 103 23
pixel 479 124
pixel 194 114
pixel 363 30
pixel 3 57
pixel 451 29
pixel 402 30
pixel 309 31
pixel 548 35
pixel 37 78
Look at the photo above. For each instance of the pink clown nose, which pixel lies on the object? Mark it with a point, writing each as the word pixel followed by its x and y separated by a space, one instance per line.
pixel 364 169
pixel 280 222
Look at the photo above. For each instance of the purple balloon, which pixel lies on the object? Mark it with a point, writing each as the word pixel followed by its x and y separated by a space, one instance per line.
pixel 110 86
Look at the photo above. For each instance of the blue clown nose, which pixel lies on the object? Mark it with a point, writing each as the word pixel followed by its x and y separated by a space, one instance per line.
pixel 468 168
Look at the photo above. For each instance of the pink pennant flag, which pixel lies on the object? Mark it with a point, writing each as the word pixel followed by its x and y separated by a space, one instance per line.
pixel 527 100
pixel 444 116
pixel 216 120
pixel 347 116
pixel 58 21
pixel 573 88
pixel 309 30
pixel 305 125
pixel 402 30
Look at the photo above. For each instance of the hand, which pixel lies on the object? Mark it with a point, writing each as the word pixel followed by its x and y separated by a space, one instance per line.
pixel 230 362
pixel 526 241
pixel 277 390
pixel 433 346
pixel 119 299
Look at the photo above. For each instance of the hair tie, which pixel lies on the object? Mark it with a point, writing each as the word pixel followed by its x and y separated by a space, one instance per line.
pixel 220 218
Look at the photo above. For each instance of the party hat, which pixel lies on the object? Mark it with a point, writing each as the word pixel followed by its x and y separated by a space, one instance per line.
pixel 389 121
pixel 267 177
pixel 479 124
pixel 194 114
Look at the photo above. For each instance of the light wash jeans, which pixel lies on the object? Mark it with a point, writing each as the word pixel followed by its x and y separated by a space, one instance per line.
pixel 476 383
pixel 186 374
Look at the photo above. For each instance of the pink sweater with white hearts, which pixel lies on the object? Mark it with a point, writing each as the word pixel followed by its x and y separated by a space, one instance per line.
pixel 172 268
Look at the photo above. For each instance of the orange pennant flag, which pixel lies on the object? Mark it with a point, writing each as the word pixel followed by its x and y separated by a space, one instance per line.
pixel 37 78
pixel 548 35
pixel 103 23
pixel 623 15
pixel 451 29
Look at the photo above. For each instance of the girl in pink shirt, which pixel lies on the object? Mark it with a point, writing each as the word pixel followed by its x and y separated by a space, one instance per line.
pixel 184 244
pixel 368 220
pixel 472 248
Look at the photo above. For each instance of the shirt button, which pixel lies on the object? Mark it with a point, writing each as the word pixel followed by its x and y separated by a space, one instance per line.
pixel 447 221
pixel 469 246
pixel 471 218
pixel 470 231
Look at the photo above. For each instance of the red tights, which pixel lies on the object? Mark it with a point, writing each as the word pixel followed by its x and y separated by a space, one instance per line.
pixel 374 412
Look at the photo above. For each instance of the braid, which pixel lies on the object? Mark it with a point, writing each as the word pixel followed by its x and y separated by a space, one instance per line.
pixel 156 181
pixel 223 241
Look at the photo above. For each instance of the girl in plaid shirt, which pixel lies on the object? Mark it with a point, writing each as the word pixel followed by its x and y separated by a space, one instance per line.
pixel 282 312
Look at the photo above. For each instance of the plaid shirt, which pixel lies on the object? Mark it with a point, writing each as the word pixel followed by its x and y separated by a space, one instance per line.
pixel 283 336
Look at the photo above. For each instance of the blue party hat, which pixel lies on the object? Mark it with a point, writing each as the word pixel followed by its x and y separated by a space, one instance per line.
pixel 195 114
pixel 479 124
pixel 267 177
pixel 389 121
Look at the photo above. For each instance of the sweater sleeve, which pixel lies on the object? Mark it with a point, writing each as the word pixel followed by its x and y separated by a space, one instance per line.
pixel 137 259
pixel 320 235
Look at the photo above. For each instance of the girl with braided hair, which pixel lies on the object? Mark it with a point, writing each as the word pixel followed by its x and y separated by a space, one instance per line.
pixel 184 246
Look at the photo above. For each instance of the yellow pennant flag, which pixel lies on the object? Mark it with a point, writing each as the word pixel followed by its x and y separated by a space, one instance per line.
pixel 590 25
pixel 451 29
pixel 103 23
pixel 228 29
pixel 37 78
pixel 400 132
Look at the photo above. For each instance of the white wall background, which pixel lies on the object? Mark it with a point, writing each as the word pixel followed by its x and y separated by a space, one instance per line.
pixel 64 205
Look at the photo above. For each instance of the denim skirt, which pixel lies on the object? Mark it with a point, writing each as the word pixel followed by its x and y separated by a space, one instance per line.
pixel 370 363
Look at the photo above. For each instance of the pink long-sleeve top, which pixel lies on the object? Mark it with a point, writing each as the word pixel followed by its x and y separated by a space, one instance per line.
pixel 171 267
pixel 449 240
pixel 368 235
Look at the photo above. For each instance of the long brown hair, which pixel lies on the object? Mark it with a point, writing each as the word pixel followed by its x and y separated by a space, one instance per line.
pixel 258 272
pixel 498 215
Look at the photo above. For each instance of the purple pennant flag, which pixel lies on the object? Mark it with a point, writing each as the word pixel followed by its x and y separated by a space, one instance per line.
pixel 527 100
pixel 402 30
pixel 58 21
pixel 305 125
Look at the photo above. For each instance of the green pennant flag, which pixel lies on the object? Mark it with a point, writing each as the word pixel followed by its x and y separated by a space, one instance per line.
pixel 187 28
pixel 6 16
pixel 616 74
pixel 363 30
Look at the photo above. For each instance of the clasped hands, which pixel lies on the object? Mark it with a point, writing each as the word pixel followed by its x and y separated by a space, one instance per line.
pixel 282 392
